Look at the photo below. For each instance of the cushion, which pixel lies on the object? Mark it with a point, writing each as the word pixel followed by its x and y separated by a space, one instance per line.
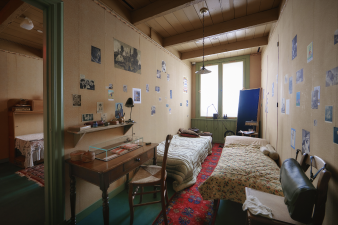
pixel 265 150
pixel 272 153
pixel 245 140
pixel 188 132
pixel 188 135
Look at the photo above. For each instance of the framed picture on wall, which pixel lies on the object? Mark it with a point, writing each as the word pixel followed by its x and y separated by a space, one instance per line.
pixel 137 95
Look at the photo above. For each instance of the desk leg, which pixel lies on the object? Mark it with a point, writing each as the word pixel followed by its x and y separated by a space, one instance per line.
pixel 126 186
pixel 105 206
pixel 154 163
pixel 72 199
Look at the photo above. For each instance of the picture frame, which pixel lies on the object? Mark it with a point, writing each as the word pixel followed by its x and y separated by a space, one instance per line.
pixel 137 95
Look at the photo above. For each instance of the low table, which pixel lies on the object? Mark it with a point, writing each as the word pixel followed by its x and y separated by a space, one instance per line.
pixel 102 174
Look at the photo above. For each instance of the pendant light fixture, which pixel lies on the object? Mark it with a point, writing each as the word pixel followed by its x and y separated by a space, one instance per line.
pixel 203 70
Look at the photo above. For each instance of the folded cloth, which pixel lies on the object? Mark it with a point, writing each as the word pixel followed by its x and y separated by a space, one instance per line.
pixel 256 207
pixel 119 151
pixel 128 146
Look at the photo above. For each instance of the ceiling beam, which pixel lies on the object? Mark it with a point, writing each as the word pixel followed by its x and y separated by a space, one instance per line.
pixel 159 8
pixel 257 42
pixel 9 8
pixel 244 22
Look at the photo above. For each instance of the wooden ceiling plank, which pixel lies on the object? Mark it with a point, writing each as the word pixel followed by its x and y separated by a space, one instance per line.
pixel 259 31
pixel 158 9
pixel 231 37
pixel 9 8
pixel 215 41
pixel 228 11
pixel 249 33
pixel 20 41
pixel 247 51
pixel 226 48
pixel 158 28
pixel 240 35
pixel 215 10
pixel 183 19
pixel 207 18
pixel 265 5
pixel 223 39
pixel 171 18
pixel 24 34
pixel 253 6
pixel 195 21
pixel 249 21
pixel 240 8
pixel 166 25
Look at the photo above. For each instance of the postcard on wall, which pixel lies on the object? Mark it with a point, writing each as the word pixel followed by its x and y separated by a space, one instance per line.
pixel 298 98
pixel 294 47
pixel 286 79
pixel 169 110
pixel 332 77
pixel 157 89
pixel 293 138
pixel 83 83
pixel 287 106
pixel 335 37
pixel 168 77
pixel 87 117
pixel 125 88
pixel 160 99
pixel 315 123
pixel 335 135
pixel 90 84
pixel 314 100
pixel 104 117
pixel 164 67
pixel 118 110
pixel 186 103
pixel 171 94
pixel 167 105
pixel 110 86
pixel 158 74
pixel 328 113
pixel 137 95
pixel 180 104
pixel 99 107
pixel 318 89
pixel 185 85
pixel 153 110
pixel 282 109
pixel 126 57
pixel 305 141
pixel 299 76
pixel 309 52
pixel 96 55
pixel 147 87
pixel 110 95
pixel 76 100
pixel 273 89
pixel 290 85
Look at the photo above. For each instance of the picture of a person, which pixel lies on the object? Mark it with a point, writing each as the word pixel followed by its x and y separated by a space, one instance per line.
pixel 164 67
pixel 83 84
pixel 305 142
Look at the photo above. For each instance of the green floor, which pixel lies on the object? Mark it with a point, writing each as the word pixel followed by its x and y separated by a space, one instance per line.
pixel 22 202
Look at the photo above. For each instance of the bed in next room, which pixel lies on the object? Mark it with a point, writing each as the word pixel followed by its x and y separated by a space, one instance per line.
pixel 242 164
pixel 31 146
pixel 185 157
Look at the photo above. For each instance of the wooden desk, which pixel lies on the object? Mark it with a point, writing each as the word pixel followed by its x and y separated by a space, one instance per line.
pixel 102 173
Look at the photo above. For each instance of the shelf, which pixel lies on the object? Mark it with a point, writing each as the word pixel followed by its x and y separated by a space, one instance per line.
pixel 25 112
pixel 79 135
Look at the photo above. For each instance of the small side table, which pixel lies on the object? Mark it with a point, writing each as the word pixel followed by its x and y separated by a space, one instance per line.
pixel 206 134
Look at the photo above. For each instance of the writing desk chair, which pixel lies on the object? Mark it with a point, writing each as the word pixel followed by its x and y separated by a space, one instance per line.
pixel 276 203
pixel 151 176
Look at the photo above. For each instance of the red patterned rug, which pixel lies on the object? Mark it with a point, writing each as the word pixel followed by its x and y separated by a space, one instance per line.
pixel 35 173
pixel 187 206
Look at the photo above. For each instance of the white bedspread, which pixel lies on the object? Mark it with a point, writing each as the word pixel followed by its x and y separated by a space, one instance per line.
pixel 31 146
pixel 185 157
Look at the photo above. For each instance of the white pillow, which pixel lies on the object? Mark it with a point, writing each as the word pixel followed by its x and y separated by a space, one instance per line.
pixel 265 150
pixel 272 153
pixel 245 140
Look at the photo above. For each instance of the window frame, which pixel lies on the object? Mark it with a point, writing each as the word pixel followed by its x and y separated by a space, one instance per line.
pixel 246 80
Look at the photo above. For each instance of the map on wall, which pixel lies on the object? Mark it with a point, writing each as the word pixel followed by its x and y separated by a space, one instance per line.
pixel 127 57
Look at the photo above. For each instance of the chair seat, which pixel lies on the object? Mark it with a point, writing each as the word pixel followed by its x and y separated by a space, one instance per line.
pixel 147 174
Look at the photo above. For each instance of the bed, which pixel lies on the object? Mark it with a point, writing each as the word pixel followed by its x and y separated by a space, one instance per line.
pixel 241 165
pixel 31 146
pixel 184 159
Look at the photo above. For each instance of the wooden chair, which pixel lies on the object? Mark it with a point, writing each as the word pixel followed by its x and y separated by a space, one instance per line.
pixel 276 203
pixel 151 176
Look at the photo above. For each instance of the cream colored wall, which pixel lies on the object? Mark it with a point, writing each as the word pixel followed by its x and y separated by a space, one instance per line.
pixel 86 24
pixel 312 21
pixel 21 77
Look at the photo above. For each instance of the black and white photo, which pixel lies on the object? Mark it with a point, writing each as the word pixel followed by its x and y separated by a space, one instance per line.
pixel 83 84
pixel 332 77
pixel 126 57
pixel 87 117
pixel 335 37
pixel 305 141
pixel 157 89
pixel 125 89
pixel 294 47
pixel 96 55
pixel 104 117
pixel 147 87
pixel 299 76
pixel 158 74
pixel 110 86
pixel 153 110
pixel 99 107
pixel 328 113
pixel 168 77
pixel 76 100
pixel 314 99
pixel 164 67
pixel 90 85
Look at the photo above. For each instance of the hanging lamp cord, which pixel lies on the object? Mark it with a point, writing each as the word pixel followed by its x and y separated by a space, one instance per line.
pixel 203 40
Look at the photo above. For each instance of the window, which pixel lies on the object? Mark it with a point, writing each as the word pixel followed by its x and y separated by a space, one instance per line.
pixel 218 91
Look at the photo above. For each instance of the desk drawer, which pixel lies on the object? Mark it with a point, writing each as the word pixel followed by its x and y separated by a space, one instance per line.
pixel 138 161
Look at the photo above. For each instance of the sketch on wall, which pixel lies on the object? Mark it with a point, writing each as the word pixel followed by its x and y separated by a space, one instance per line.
pixel 127 57
pixel 76 100
pixel 309 53
pixel 332 77
pixel 96 55
pixel 294 47
pixel 99 107
pixel 293 138
pixel 305 141
pixel 328 113
pixel 104 117
pixel 299 76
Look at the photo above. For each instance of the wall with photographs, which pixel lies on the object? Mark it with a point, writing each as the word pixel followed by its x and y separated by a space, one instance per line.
pixel 87 24
pixel 21 77
pixel 300 105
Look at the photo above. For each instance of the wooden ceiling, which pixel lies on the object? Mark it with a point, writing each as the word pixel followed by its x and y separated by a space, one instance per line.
pixel 10 29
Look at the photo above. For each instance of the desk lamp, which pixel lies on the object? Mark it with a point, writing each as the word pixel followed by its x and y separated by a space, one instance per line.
pixel 130 104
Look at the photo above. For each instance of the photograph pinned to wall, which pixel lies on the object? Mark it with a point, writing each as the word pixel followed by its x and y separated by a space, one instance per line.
pixel 147 87
pixel 282 109
pixel 125 88
pixel 118 110
pixel 104 117
pixel 273 89
pixel 335 37
pixel 185 85
pixel 137 95
pixel 180 104
pixel 332 77
pixel 90 85
pixel 315 123
pixel 294 47
pixel 298 99
pixel 153 110
pixel 96 55
pixel 293 138
pixel 160 99
pixel 126 57
pixel 309 52
pixel 287 106
pixel 83 83
pixel 290 85
pixel 186 103
pixel 110 95
pixel 158 74
pixel 99 107
pixel 87 117
pixel 168 77
pixel 314 99
pixel 299 76
pixel 164 67
pixel 286 79
pixel 167 105
pixel 110 86
pixel 318 89
pixel 76 100
pixel 171 94
pixel 305 141
pixel 328 113
pixel 157 89
pixel 169 110
pixel 335 135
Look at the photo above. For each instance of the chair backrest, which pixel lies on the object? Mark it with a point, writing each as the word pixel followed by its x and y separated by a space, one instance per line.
pixel 322 185
pixel 164 162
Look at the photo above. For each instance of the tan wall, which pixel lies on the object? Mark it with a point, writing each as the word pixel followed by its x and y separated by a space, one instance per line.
pixel 86 24
pixel 312 21
pixel 21 77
